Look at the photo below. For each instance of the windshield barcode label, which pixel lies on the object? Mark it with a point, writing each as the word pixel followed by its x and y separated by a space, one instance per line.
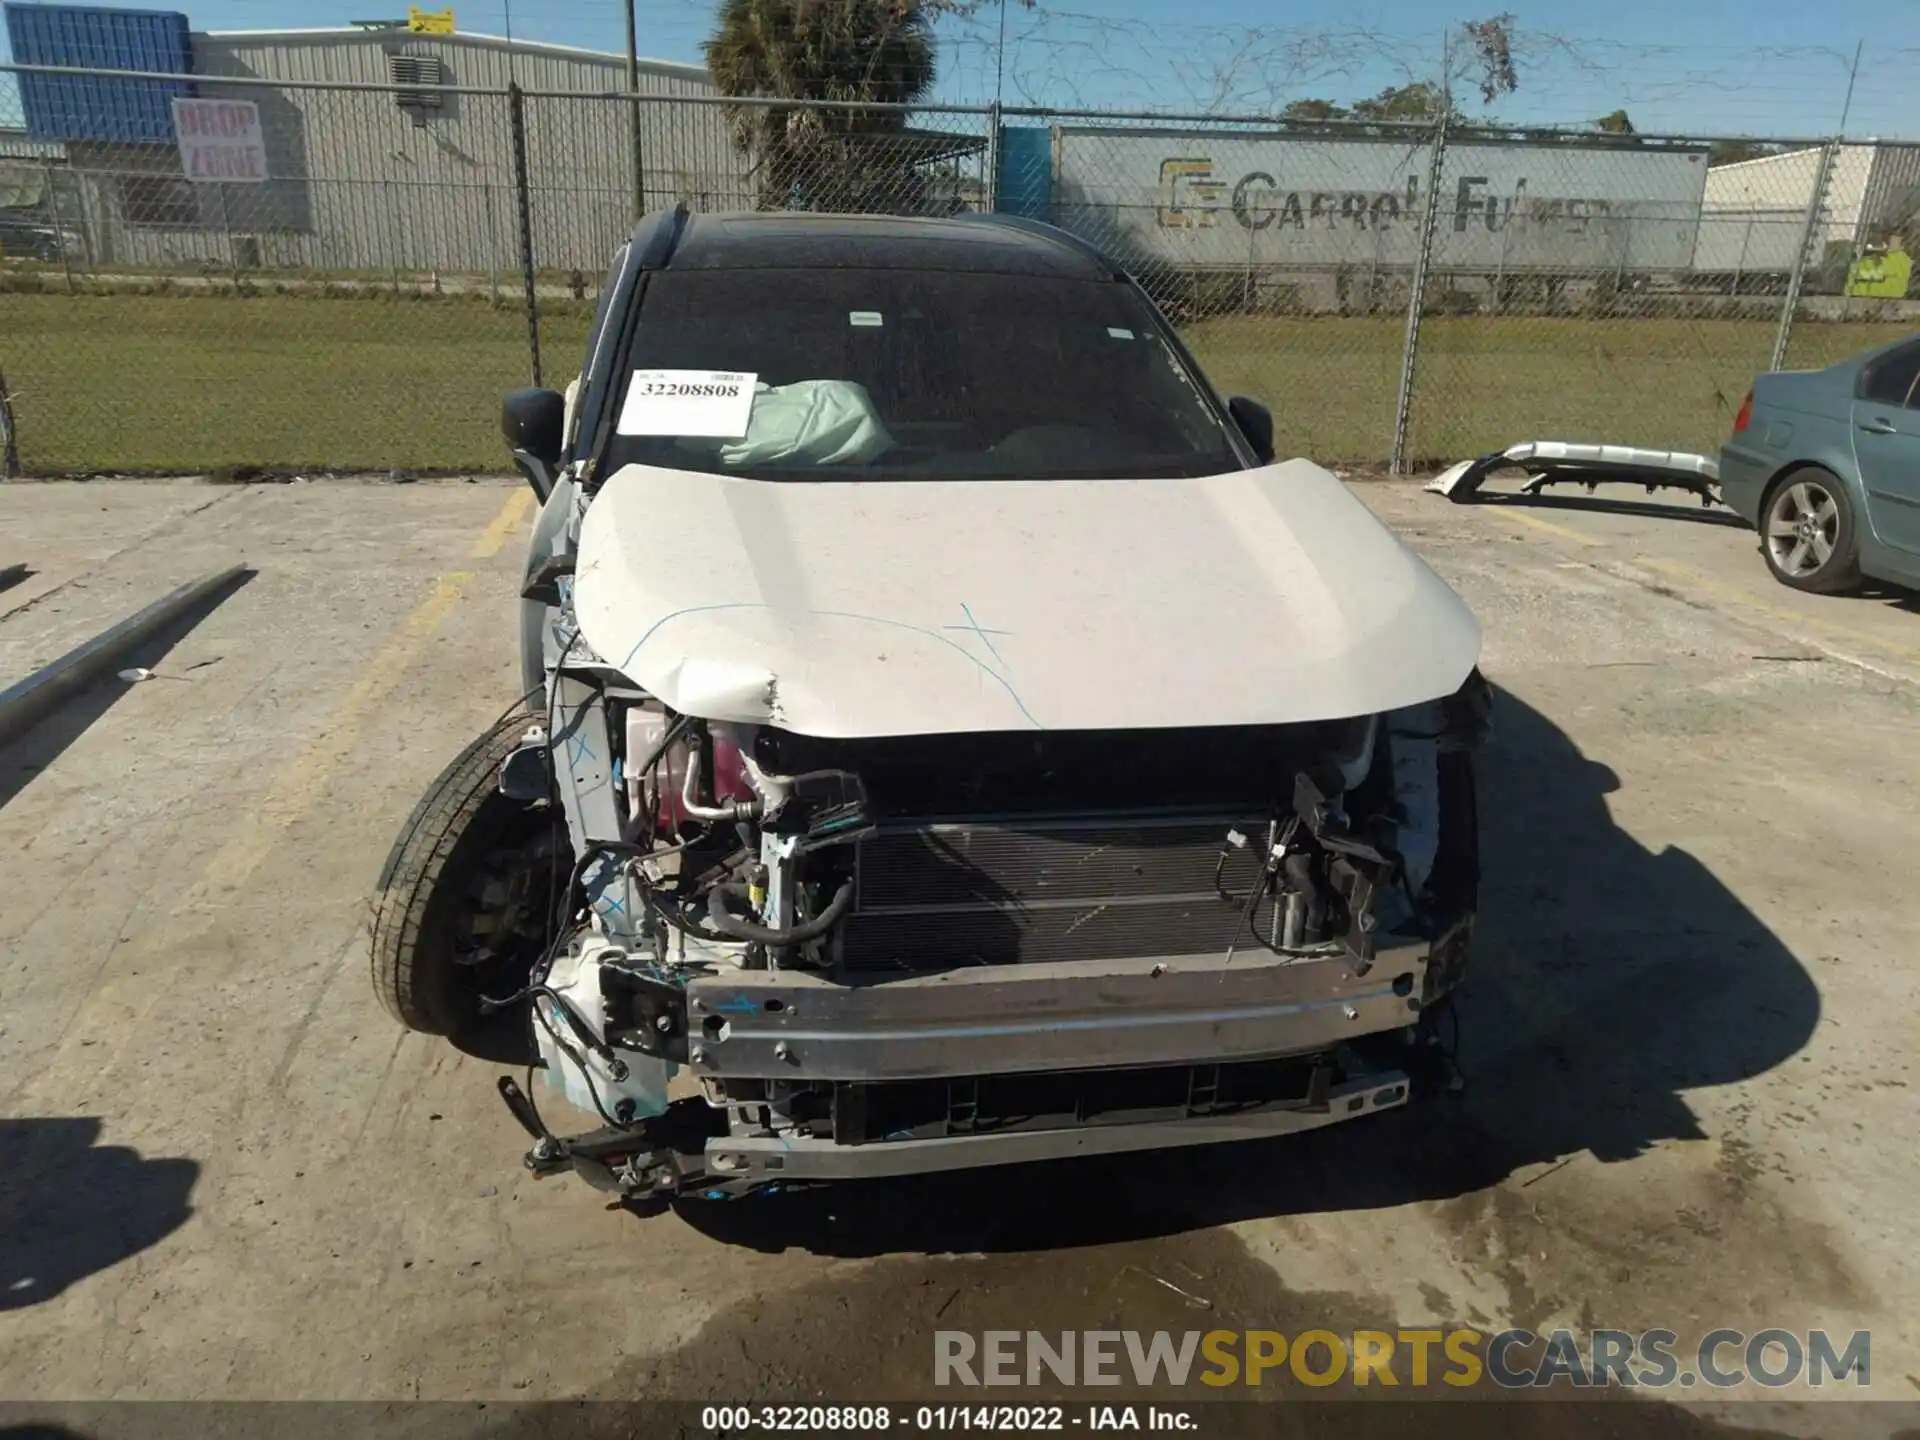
pixel 714 404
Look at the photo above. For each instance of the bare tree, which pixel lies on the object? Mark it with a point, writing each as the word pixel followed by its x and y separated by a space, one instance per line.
pixel 1478 54
pixel 1489 56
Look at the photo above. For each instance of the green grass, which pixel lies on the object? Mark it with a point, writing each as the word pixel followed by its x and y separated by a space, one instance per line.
pixel 189 383
pixel 1330 382
pixel 144 383
pixel 1487 382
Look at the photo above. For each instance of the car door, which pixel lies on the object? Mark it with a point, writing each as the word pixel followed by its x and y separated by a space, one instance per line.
pixel 1886 443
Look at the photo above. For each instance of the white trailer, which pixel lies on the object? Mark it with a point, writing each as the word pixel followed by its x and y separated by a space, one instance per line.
pixel 1211 201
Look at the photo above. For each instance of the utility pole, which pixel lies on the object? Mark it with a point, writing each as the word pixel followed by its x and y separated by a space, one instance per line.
pixel 1853 75
pixel 633 104
pixel 1000 56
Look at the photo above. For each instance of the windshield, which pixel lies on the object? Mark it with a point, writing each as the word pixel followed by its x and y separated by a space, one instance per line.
pixel 796 374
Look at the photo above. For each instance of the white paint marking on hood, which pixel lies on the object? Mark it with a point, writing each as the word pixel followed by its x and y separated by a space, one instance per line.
pixel 884 607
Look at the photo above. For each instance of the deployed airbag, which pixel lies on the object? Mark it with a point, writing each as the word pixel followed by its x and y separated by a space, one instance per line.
pixel 811 422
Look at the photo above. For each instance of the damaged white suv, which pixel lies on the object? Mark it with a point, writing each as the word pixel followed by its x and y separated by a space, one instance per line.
pixel 950 739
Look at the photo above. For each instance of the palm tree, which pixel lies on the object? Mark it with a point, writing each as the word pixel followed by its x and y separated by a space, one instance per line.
pixel 852 52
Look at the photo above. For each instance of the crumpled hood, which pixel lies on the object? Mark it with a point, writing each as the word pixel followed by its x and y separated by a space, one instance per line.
pixel 867 608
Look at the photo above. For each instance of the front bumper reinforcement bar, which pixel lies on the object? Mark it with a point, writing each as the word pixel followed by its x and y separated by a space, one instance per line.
pixel 1073 1015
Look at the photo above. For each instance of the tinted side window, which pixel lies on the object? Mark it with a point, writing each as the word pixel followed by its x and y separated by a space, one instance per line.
pixel 1890 381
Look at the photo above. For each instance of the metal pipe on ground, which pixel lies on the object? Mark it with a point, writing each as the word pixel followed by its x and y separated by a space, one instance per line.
pixel 25 704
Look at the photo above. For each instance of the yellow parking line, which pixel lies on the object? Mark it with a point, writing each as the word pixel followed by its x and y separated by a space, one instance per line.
pixel 1724 591
pixel 296 789
pixel 115 1011
pixel 1823 632
pixel 1819 625
pixel 504 524
pixel 1514 512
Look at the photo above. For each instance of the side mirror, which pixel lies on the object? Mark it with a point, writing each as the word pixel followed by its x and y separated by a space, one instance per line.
pixel 534 423
pixel 1256 423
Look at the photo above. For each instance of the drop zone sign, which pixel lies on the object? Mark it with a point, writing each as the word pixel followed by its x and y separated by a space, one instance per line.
pixel 220 140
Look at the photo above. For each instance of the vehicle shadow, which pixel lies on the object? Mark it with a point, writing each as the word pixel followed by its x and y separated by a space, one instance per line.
pixel 1890 595
pixel 1687 511
pixel 1606 982
pixel 70 1207
pixel 33 751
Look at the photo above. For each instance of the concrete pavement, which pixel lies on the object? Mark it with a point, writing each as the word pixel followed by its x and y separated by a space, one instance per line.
pixel 1689 1034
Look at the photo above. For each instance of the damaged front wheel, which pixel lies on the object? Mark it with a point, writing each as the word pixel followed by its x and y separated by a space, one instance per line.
pixel 465 901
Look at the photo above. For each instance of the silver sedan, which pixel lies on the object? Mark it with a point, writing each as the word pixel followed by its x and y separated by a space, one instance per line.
pixel 1825 464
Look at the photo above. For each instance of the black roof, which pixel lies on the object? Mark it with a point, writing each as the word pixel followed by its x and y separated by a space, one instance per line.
pixel 783 240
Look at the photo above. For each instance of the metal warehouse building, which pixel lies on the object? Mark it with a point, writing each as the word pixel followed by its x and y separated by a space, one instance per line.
pixel 416 179
pixel 1753 216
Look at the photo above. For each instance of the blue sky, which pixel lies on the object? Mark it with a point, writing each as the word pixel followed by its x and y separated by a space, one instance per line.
pixel 1776 66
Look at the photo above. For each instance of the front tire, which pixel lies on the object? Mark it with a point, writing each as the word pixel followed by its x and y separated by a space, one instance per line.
pixel 466 899
pixel 1807 533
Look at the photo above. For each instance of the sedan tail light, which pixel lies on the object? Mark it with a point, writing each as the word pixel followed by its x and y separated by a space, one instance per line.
pixel 1745 417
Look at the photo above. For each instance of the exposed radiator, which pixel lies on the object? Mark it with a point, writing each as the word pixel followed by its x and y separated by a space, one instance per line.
pixel 997 892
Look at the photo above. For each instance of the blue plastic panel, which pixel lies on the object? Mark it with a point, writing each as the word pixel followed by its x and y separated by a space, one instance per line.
pixel 82 107
pixel 1025 183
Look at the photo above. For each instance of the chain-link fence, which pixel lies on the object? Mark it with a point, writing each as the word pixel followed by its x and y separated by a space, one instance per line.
pixel 298 274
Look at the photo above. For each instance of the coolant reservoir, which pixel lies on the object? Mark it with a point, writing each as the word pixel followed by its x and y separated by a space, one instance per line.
pixel 645 727
pixel 729 768
pixel 575 1070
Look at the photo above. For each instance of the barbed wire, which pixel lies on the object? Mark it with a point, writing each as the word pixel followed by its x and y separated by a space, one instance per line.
pixel 1058 56
pixel 1085 58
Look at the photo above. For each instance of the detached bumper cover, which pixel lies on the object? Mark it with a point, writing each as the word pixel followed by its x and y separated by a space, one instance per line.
pixel 1560 462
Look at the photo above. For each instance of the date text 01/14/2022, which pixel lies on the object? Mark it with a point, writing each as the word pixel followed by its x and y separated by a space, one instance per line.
pixel 1011 1419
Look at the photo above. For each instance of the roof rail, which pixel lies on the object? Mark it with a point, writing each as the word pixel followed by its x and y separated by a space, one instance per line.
pixel 656 237
pixel 1044 231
